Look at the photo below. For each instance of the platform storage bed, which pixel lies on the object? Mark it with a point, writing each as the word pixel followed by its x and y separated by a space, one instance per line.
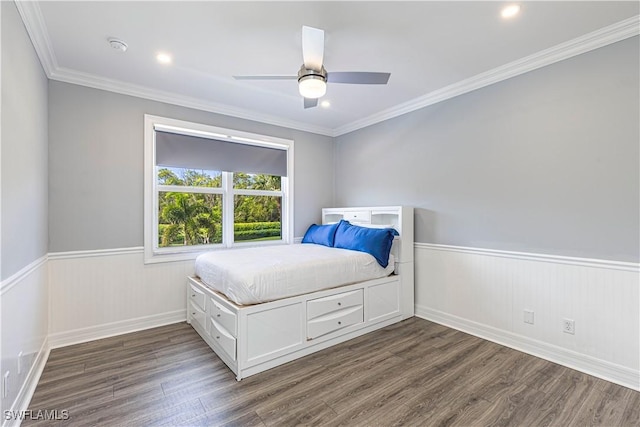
pixel 258 308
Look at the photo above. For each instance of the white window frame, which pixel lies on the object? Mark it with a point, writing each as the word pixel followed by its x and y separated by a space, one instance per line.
pixel 152 252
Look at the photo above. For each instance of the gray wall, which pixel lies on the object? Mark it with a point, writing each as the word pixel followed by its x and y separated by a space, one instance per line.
pixel 545 162
pixel 24 147
pixel 96 166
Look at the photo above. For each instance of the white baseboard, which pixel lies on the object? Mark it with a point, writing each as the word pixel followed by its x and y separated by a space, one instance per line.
pixel 91 333
pixel 21 403
pixel 589 365
pixel 27 389
pixel 487 292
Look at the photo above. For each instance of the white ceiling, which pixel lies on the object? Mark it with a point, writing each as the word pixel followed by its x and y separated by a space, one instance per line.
pixel 433 50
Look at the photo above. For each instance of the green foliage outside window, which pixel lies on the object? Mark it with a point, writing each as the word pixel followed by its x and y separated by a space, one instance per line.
pixel 187 219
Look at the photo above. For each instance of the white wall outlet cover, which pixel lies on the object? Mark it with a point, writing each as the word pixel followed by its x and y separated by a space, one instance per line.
pixel 528 317
pixel 569 326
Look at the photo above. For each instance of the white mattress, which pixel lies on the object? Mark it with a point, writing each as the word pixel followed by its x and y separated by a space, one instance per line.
pixel 255 275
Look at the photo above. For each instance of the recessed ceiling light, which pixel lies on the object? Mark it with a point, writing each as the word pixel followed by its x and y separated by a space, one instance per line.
pixel 325 104
pixel 510 11
pixel 164 58
pixel 118 44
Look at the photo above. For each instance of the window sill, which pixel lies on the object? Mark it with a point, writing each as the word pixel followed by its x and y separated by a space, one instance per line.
pixel 155 257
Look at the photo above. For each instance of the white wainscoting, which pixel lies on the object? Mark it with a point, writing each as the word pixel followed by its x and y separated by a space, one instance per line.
pixel 97 294
pixel 24 299
pixel 94 294
pixel 485 293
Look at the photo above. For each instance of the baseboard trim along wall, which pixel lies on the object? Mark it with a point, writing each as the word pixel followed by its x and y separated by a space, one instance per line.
pixel 77 336
pixel 21 404
pixel 96 294
pixel 24 336
pixel 486 292
pixel 571 359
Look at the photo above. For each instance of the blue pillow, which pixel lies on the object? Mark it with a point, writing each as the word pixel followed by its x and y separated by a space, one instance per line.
pixel 320 234
pixel 374 241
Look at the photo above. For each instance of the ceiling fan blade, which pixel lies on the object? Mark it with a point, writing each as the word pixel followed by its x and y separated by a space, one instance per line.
pixel 266 77
pixel 310 102
pixel 312 48
pixel 358 77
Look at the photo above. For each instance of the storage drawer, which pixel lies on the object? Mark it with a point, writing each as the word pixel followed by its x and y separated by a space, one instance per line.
pixel 321 306
pixel 197 297
pixel 223 338
pixel 224 317
pixel 197 316
pixel 358 216
pixel 334 321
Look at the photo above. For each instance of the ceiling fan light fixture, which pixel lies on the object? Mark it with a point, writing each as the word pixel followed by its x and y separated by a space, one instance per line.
pixel 313 77
pixel 312 86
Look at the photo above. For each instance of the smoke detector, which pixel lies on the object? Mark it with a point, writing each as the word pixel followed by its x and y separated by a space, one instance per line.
pixel 118 45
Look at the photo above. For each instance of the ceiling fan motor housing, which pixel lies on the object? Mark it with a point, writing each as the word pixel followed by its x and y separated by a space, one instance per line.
pixel 305 72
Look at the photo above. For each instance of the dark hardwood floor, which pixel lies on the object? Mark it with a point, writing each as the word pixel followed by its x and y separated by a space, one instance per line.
pixel 413 373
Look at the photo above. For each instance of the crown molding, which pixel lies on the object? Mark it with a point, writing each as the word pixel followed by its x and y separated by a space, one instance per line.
pixel 90 80
pixel 36 28
pixel 605 36
pixel 34 23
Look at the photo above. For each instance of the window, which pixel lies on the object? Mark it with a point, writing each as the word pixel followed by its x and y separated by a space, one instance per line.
pixel 207 188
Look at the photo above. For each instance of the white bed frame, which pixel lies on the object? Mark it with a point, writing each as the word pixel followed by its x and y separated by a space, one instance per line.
pixel 251 339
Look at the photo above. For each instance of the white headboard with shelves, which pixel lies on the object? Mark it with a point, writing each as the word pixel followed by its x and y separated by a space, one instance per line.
pixel 399 218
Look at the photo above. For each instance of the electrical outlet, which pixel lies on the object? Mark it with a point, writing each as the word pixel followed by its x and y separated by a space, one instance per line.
pixel 569 326
pixel 20 363
pixel 528 317
pixel 5 384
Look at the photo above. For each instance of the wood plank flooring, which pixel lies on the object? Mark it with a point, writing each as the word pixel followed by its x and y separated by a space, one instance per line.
pixel 413 373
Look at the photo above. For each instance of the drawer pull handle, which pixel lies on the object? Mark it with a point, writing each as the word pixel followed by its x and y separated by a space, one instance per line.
pixel 339 323
pixel 339 303
pixel 218 337
pixel 193 314
pixel 193 295
pixel 217 315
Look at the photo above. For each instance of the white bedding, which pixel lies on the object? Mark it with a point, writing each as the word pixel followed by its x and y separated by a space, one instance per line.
pixel 256 275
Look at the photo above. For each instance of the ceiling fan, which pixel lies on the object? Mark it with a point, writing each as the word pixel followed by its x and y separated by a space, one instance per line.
pixel 313 77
